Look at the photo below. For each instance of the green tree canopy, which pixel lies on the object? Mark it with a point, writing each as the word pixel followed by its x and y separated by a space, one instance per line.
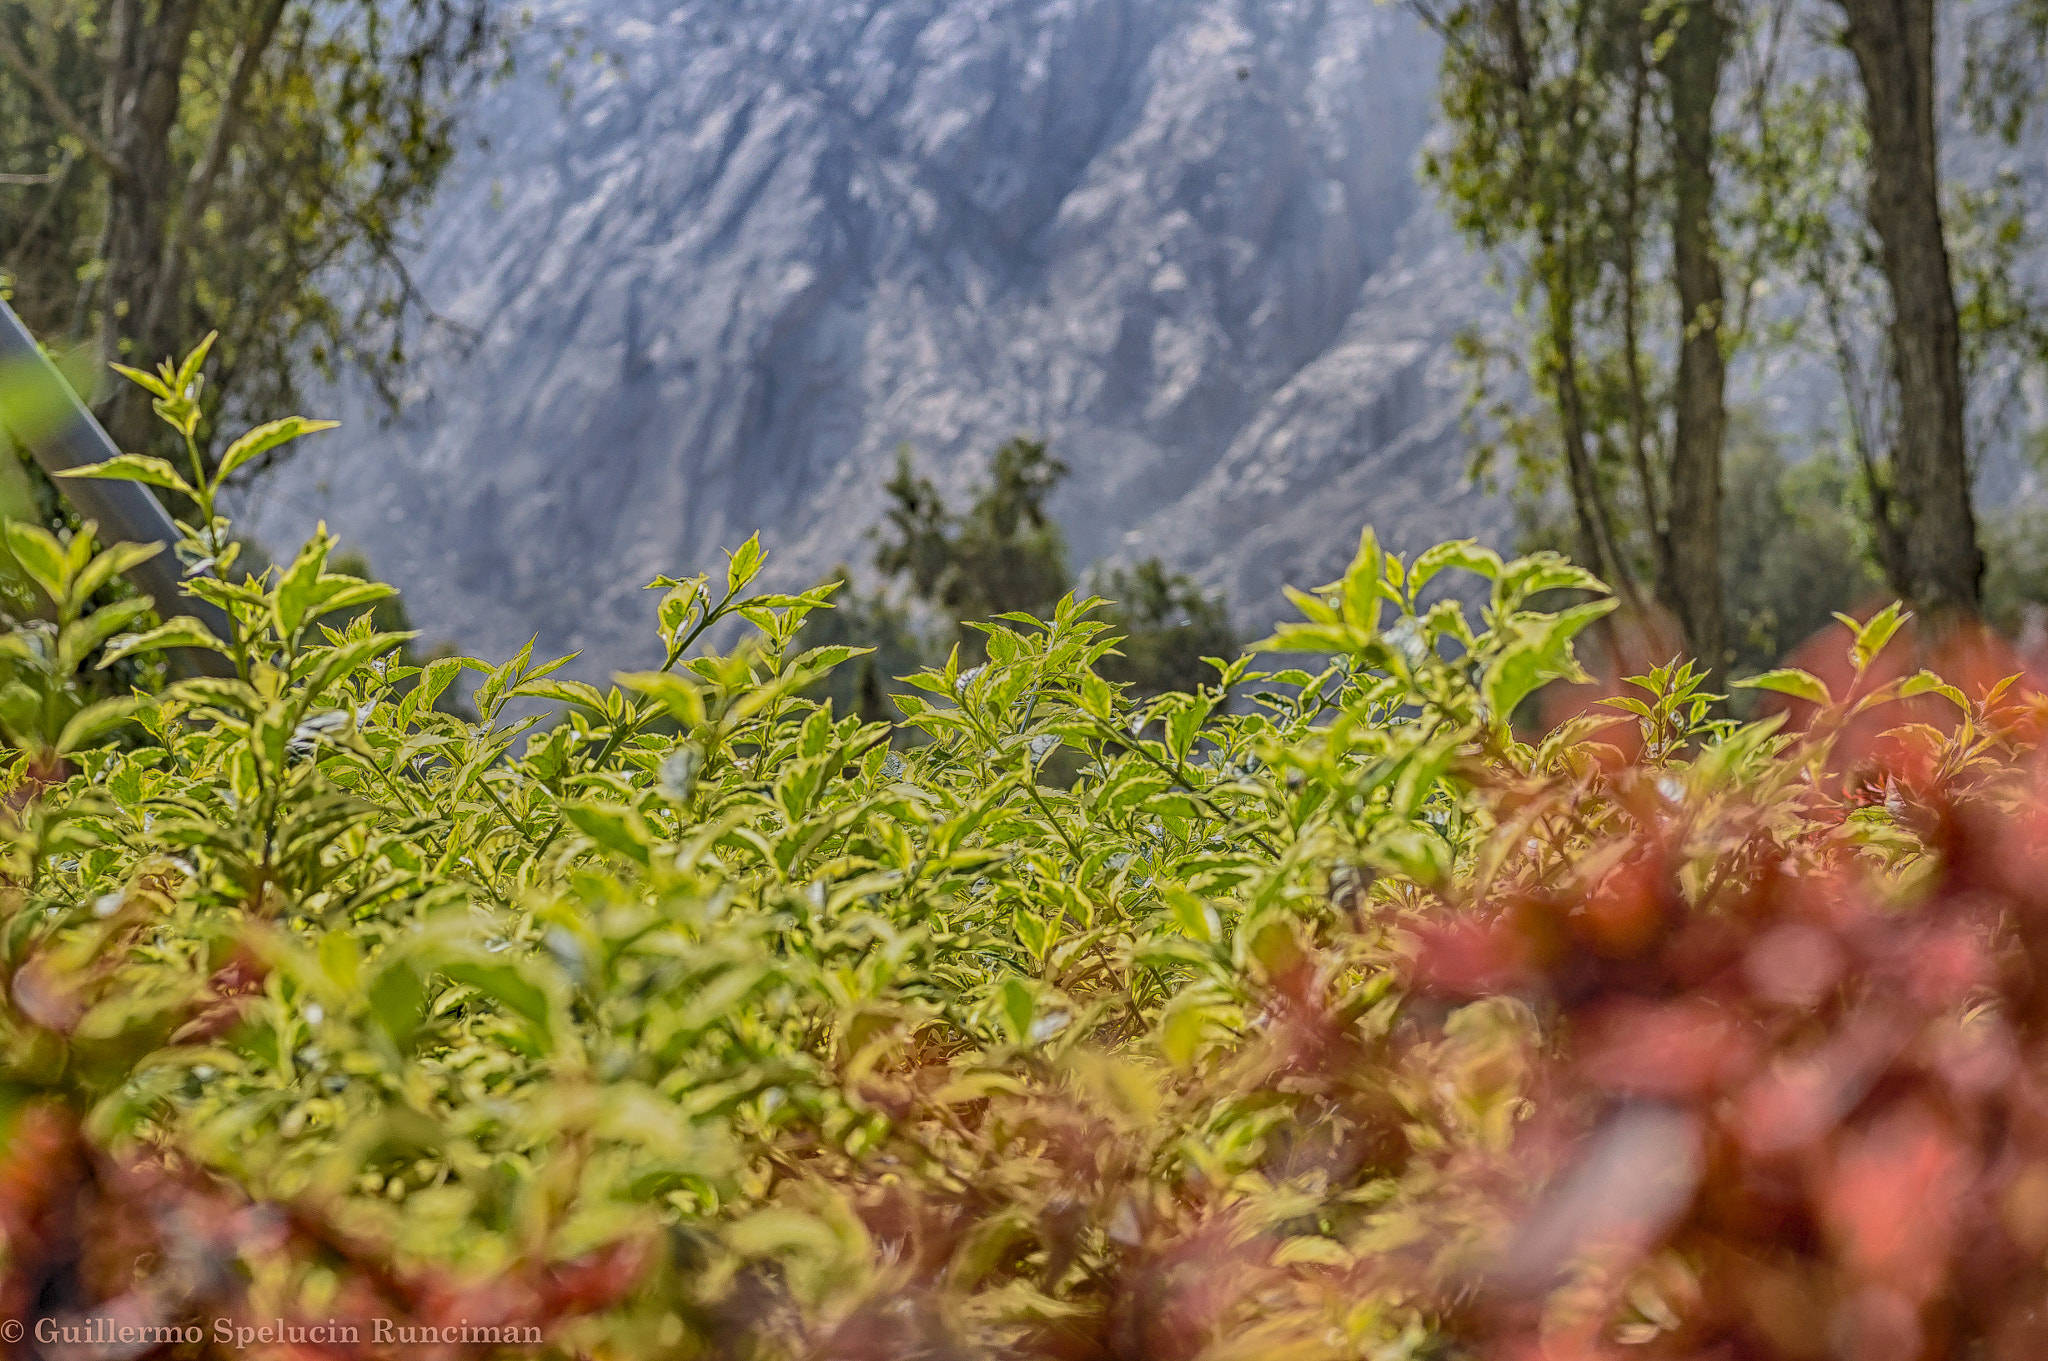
pixel 175 167
pixel 1006 555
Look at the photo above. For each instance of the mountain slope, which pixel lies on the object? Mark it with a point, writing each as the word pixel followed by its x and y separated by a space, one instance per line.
pixel 716 289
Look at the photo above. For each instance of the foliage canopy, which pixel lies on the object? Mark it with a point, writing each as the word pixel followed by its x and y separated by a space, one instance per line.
pixel 739 1033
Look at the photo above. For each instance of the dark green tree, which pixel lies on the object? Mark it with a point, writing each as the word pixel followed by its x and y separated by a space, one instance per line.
pixel 1795 549
pixel 1005 555
pixel 863 686
pixel 1169 625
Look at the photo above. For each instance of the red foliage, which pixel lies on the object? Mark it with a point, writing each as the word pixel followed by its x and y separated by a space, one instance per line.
pixel 1820 1091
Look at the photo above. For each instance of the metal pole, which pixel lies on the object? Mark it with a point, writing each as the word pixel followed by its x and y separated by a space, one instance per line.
pixel 47 418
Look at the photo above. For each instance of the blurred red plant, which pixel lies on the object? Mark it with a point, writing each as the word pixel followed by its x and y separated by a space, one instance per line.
pixel 1793 1086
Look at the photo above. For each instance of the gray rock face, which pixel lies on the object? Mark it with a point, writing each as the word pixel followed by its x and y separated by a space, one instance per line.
pixel 714 291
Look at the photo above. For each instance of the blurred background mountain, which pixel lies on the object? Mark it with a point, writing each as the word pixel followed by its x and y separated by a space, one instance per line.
pixel 712 276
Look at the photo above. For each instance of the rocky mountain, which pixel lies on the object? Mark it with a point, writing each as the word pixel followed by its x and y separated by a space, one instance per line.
pixel 711 286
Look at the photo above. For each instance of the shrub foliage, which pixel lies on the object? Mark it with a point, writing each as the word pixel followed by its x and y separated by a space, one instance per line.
pixel 1323 1014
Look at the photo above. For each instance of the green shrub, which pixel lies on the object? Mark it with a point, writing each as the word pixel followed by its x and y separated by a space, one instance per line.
pixel 703 1023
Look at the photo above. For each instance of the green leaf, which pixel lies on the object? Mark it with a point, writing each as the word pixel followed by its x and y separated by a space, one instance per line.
pixel 263 439
pixel 1184 715
pixel 119 559
pixel 1538 650
pixel 1096 696
pixel 142 378
pixel 676 777
pixel 189 369
pixel 1417 853
pixel 684 702
pixel 1196 919
pixel 96 719
pixel 77 640
pixel 230 696
pixel 341 959
pixel 1545 571
pixel 182 631
pixel 613 826
pixel 339 663
pixel 135 468
pixel 1314 638
pixel 346 595
pixel 398 999
pixel 782 1235
pixel 510 985
pixel 576 693
pixel 1019 1007
pixel 1033 932
pixel 743 565
pixel 1791 681
pixel 438 677
pixel 1466 553
pixel 40 555
pixel 1872 637
pixel 676 607
pixel 1927 683
pixel 1362 589
pixel 76 555
pixel 1182 1030
pixel 825 658
pixel 1275 944
pixel 1313 608
pixel 301 582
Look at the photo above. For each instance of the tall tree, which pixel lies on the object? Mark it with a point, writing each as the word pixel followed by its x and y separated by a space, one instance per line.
pixel 1925 515
pixel 241 166
pixel 1692 66
pixel 1583 148
pixel 1517 84
pixel 1005 554
pixel 1920 283
pixel 1170 627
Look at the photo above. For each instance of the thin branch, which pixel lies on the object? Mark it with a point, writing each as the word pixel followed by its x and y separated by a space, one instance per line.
pixel 1638 408
pixel 1438 25
pixel 383 249
pixel 56 181
pixel 1863 439
pixel 1763 80
pixel 199 189
pixel 60 109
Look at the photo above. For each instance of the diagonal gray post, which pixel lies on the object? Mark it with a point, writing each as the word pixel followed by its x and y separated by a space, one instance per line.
pixel 47 418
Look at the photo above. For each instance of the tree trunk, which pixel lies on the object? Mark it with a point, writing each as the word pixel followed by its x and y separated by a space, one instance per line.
pixel 146 48
pixel 1555 266
pixel 1692 68
pixel 1940 567
pixel 1589 500
pixel 169 288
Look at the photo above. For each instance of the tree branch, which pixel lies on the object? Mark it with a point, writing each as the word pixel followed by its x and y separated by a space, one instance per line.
pixel 57 178
pixel 199 188
pixel 39 81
